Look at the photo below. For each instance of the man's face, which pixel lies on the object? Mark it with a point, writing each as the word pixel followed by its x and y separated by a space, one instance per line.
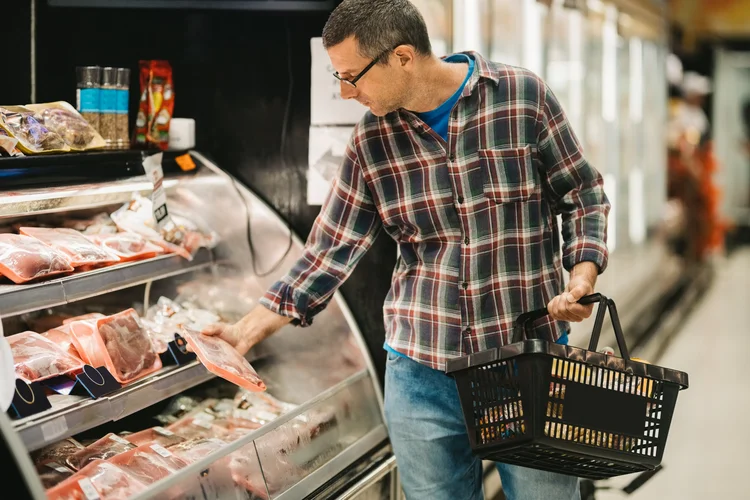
pixel 381 89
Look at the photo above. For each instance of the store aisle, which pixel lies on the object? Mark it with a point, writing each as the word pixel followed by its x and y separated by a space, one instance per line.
pixel 708 453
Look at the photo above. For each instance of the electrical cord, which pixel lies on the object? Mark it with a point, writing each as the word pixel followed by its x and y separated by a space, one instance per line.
pixel 284 127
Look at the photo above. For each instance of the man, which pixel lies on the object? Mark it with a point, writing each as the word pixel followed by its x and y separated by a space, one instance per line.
pixel 466 164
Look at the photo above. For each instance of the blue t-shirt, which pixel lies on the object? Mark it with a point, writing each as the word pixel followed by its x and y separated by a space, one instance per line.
pixel 438 118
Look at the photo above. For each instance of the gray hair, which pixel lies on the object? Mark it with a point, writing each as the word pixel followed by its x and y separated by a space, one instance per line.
pixel 378 26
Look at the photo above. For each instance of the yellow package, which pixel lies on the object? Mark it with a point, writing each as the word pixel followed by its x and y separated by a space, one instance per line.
pixel 63 119
pixel 33 137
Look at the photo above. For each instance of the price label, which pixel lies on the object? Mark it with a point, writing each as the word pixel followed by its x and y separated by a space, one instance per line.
pixel 152 167
pixel 163 432
pixel 59 468
pixel 118 439
pixel 202 423
pixel 88 489
pixel 161 450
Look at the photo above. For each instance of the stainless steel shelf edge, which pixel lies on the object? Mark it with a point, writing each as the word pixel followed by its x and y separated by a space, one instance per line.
pixel 58 423
pixel 197 467
pixel 20 299
pixel 340 462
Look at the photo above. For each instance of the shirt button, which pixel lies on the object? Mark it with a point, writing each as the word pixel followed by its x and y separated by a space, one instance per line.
pixel 465 285
pixel 452 157
pixel 466 240
pixel 467 331
pixel 460 199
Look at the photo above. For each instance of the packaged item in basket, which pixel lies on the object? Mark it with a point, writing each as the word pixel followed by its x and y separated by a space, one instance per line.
pixel 37 358
pixel 79 250
pixel 220 358
pixel 33 137
pixel 196 449
pixel 63 119
pixel 127 246
pixel 156 106
pixel 118 342
pixel 103 449
pixel 99 479
pixel 155 435
pixel 24 259
pixel 149 463
pixel 53 473
pixel 60 336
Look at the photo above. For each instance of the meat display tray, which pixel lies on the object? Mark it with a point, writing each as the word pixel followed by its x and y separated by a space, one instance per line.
pixel 20 299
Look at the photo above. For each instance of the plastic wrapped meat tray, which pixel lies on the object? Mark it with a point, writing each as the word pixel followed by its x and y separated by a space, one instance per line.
pixel 127 246
pixel 167 317
pixel 61 337
pixel 24 259
pixel 37 358
pixel 222 359
pixel 108 481
pixel 149 463
pixel 155 435
pixel 107 447
pixel 119 342
pixel 76 247
pixel 196 449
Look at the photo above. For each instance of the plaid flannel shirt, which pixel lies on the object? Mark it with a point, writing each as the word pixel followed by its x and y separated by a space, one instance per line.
pixel 475 218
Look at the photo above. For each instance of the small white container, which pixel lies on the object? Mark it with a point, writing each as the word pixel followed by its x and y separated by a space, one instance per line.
pixel 181 134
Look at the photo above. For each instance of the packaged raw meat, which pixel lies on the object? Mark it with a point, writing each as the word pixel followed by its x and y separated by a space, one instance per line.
pixel 166 317
pixel 198 426
pixel 56 452
pixel 149 463
pixel 61 337
pixel 37 358
pixel 33 137
pixel 24 259
pixel 101 478
pixel 107 447
pixel 222 359
pixel 63 119
pixel 177 408
pixel 84 317
pixel 53 473
pixel 259 407
pixel 79 250
pixel 98 225
pixel 155 435
pixel 118 342
pixel 196 449
pixel 8 145
pixel 127 246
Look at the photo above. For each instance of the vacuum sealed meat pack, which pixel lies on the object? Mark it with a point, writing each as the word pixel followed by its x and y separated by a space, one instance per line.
pixel 63 119
pixel 99 478
pixel 76 247
pixel 196 449
pixel 33 137
pixel 167 317
pixel 149 463
pixel 155 435
pixel 220 358
pixel 127 246
pixel 24 259
pixel 103 449
pixel 37 358
pixel 60 336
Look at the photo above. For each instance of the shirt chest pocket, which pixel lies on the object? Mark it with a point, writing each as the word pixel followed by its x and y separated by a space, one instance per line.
pixel 508 174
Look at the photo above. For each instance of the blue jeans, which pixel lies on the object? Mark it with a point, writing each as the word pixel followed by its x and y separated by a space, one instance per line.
pixel 432 448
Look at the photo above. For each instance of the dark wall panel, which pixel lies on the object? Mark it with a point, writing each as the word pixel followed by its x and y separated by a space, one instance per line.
pixel 232 74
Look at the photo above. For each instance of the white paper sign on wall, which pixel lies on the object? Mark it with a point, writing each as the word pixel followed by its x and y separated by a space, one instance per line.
pixel 327 106
pixel 326 152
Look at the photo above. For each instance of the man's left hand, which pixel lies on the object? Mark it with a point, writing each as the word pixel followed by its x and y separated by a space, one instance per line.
pixel 565 306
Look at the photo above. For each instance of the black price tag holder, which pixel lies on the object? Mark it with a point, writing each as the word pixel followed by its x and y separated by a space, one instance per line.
pixel 29 399
pixel 177 353
pixel 95 382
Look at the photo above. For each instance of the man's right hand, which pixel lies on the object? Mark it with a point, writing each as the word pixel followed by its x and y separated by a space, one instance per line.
pixel 258 325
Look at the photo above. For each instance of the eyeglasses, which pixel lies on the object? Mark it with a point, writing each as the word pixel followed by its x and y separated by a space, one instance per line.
pixel 353 81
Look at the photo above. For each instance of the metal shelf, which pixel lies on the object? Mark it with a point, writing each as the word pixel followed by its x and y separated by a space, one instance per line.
pixel 20 299
pixel 81 414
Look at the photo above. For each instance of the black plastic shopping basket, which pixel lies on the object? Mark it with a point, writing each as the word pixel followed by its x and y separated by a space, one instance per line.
pixel 565 409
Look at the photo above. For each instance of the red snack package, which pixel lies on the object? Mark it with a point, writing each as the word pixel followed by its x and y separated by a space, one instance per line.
pixel 127 246
pixel 149 463
pixel 157 105
pixel 79 250
pixel 61 337
pixel 155 435
pixel 222 359
pixel 24 259
pixel 118 342
pixel 107 447
pixel 101 479
pixel 37 358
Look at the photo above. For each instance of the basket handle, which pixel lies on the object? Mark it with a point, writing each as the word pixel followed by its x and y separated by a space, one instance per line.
pixel 524 321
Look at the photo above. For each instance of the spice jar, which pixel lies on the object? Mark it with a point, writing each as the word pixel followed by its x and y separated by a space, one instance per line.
pixel 123 98
pixel 108 108
pixel 88 94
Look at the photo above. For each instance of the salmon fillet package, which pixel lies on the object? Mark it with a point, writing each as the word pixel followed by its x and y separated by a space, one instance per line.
pixel 220 358
pixel 155 435
pixel 127 246
pixel 76 247
pixel 23 259
pixel 99 479
pixel 103 449
pixel 118 342
pixel 37 358
pixel 61 337
pixel 149 463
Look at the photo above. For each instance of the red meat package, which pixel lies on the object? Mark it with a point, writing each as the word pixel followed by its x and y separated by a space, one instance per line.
pixel 118 342
pixel 127 246
pixel 84 317
pixel 37 358
pixel 196 449
pixel 198 426
pixel 149 463
pixel 61 337
pixel 220 358
pixel 155 435
pixel 107 447
pixel 99 479
pixel 79 250
pixel 24 259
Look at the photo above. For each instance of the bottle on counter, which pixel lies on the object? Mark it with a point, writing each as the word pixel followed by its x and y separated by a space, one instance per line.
pixel 108 108
pixel 123 99
pixel 88 94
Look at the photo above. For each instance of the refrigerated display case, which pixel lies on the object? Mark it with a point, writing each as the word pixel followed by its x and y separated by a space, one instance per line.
pixel 330 437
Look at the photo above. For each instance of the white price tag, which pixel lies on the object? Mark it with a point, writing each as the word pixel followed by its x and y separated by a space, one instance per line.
pixel 59 468
pixel 202 423
pixel 152 166
pixel 161 450
pixel 163 432
pixel 118 439
pixel 88 489
pixel 54 428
